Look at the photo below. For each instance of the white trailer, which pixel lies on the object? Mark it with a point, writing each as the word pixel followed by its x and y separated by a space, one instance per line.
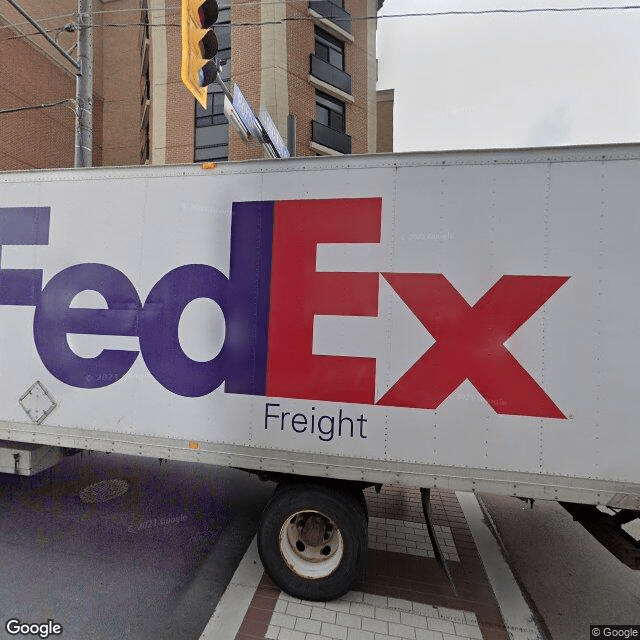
pixel 461 320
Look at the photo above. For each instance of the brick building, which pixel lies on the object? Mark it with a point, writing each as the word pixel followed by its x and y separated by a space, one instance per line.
pixel 384 138
pixel 311 58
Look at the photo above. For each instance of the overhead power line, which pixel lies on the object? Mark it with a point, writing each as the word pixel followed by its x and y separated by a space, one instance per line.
pixel 167 9
pixel 104 12
pixel 418 14
pixel 45 105
pixel 480 12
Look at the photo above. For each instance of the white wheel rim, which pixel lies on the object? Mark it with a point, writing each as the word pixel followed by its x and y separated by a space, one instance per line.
pixel 310 561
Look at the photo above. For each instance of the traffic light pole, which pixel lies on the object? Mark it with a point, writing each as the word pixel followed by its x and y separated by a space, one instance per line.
pixel 224 87
pixel 83 156
pixel 291 135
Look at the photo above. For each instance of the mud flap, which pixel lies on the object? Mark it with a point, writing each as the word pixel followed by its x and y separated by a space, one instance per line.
pixel 425 495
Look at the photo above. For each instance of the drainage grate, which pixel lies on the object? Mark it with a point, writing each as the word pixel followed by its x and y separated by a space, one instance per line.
pixel 104 491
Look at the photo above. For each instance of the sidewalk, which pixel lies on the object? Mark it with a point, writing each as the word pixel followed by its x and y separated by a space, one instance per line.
pixel 405 594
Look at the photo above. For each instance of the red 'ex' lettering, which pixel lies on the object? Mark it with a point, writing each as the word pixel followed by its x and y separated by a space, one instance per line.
pixel 299 292
pixel 470 343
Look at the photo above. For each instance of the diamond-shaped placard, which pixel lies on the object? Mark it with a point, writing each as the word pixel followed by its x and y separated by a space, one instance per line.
pixel 37 402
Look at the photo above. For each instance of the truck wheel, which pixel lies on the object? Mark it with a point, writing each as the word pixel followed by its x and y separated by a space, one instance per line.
pixel 312 540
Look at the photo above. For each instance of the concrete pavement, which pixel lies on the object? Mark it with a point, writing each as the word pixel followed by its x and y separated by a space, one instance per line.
pixel 574 581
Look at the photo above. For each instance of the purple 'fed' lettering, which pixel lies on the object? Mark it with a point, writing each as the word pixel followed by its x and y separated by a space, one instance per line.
pixel 22 226
pixel 243 298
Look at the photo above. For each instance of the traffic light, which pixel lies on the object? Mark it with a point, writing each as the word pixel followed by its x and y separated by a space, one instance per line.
pixel 199 47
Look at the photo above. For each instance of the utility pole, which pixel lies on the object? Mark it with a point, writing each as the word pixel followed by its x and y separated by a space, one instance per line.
pixel 291 135
pixel 83 156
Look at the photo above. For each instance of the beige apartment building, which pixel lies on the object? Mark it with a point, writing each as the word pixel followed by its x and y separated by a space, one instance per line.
pixel 314 59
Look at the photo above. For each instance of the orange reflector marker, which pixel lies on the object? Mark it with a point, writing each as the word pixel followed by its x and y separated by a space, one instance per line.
pixel 209 165
pixel 194 445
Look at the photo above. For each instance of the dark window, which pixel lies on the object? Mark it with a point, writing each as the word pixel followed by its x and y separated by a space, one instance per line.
pixel 212 126
pixel 212 129
pixel 214 113
pixel 329 49
pixel 223 33
pixel 329 111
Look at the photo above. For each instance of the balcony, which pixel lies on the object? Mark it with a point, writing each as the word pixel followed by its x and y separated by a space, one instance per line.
pixel 330 74
pixel 331 138
pixel 333 12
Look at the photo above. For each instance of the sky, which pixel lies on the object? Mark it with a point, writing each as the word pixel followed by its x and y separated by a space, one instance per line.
pixel 504 81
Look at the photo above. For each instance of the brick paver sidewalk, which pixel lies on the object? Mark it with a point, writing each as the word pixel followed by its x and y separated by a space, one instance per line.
pixel 405 593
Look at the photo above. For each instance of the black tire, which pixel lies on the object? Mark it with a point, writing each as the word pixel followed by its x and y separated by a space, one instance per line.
pixel 297 570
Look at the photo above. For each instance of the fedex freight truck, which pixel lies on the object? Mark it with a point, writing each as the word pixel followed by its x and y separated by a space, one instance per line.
pixel 462 320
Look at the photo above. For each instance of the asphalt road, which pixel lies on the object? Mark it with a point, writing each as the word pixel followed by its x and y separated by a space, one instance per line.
pixel 573 581
pixel 151 563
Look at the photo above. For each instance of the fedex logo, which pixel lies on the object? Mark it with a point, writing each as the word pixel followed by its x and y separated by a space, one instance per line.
pixel 269 302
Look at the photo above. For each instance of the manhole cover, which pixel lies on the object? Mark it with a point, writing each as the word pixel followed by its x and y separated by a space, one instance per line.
pixel 104 491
